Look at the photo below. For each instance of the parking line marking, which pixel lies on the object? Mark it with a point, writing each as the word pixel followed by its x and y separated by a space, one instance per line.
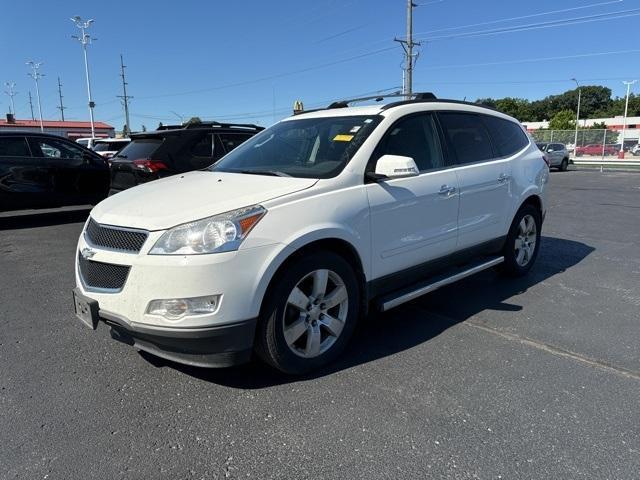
pixel 559 352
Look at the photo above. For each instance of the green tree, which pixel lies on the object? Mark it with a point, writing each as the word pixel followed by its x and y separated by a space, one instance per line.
pixel 563 120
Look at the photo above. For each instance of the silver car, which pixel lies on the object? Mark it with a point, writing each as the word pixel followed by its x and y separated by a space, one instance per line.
pixel 556 154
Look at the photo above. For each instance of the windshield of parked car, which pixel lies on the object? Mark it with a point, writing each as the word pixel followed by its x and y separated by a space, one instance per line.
pixel 306 148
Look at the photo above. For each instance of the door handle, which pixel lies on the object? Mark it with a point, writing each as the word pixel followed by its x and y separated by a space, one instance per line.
pixel 503 178
pixel 447 190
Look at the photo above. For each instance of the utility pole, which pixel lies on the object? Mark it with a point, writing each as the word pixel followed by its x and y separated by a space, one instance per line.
pixel 575 143
pixel 61 107
pixel 626 110
pixel 36 76
pixel 12 93
pixel 84 40
pixel 125 98
pixel 31 106
pixel 407 46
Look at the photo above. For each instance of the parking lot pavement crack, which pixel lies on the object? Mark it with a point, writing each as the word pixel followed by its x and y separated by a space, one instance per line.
pixel 557 351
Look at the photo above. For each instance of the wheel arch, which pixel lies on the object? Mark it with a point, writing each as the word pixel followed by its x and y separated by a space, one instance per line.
pixel 340 246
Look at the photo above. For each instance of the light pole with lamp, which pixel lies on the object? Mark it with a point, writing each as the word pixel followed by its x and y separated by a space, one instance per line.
pixel 575 143
pixel 84 40
pixel 36 75
pixel 624 121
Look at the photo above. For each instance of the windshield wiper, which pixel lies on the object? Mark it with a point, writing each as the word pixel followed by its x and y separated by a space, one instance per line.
pixel 273 173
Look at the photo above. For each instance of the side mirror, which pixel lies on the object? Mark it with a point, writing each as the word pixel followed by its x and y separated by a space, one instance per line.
pixel 395 166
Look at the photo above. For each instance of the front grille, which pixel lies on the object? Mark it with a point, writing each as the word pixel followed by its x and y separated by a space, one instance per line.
pixel 101 275
pixel 115 238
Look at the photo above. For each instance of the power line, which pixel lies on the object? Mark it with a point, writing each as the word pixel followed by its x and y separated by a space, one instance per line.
pixel 272 77
pixel 533 60
pixel 540 25
pixel 61 107
pixel 522 17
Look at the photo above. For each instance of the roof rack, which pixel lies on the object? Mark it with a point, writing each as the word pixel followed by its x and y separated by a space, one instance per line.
pixel 212 123
pixel 426 99
pixel 417 97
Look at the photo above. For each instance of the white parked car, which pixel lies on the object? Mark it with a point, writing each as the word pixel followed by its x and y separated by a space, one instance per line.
pixel 285 243
pixel 108 147
pixel 88 142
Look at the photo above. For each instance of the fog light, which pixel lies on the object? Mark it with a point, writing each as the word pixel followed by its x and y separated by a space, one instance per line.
pixel 176 308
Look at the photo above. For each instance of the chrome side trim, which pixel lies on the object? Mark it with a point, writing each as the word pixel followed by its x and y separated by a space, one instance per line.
pixel 407 297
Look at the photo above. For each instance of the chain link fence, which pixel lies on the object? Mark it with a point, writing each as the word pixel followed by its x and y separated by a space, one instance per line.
pixel 591 143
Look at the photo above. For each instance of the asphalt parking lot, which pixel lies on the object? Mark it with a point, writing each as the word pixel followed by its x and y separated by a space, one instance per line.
pixel 491 378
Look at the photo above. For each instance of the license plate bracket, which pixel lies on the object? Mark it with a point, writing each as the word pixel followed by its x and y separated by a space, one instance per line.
pixel 86 310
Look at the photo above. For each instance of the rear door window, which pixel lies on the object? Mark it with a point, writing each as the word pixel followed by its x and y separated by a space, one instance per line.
pixel 14 147
pixel 508 138
pixel 139 149
pixel 467 136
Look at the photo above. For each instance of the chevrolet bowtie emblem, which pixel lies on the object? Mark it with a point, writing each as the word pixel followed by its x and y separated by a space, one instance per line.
pixel 87 253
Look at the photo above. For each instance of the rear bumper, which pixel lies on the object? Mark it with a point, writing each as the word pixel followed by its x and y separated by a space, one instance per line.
pixel 213 347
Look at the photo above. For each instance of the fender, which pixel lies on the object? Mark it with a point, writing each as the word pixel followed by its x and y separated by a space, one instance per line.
pixel 300 240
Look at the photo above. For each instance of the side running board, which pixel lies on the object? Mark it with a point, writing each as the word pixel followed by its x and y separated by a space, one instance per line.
pixel 398 298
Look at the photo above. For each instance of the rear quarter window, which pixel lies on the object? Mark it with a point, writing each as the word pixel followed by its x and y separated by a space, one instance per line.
pixel 507 136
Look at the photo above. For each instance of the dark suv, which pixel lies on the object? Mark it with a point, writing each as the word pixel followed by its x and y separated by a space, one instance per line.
pixel 175 149
pixel 38 170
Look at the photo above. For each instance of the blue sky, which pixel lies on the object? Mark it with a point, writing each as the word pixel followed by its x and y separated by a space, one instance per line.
pixel 249 60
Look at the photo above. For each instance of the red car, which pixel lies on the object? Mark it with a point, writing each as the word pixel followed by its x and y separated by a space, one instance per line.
pixel 596 149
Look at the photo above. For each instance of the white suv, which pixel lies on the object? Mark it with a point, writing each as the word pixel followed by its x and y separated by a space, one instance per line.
pixel 285 243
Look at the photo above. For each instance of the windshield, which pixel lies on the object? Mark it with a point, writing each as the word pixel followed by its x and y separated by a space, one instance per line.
pixel 305 148
pixel 108 146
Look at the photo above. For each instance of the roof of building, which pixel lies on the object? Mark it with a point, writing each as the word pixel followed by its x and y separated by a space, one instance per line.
pixel 54 124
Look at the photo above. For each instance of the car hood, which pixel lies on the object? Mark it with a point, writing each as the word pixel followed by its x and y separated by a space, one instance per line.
pixel 171 201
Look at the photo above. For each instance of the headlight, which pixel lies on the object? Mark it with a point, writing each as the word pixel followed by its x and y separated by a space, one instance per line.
pixel 220 233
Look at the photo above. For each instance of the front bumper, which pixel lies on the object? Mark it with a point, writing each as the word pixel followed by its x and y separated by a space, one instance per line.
pixel 215 347
pixel 218 346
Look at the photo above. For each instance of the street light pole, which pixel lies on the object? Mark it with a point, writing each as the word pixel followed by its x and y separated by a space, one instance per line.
pixel 626 109
pixel 36 76
pixel 575 143
pixel 11 93
pixel 84 40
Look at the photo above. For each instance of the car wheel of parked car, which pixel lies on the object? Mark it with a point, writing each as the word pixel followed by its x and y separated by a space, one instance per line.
pixel 309 313
pixel 564 165
pixel 523 242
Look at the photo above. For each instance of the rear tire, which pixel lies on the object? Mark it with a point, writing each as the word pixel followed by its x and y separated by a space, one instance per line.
pixel 523 242
pixel 564 165
pixel 309 314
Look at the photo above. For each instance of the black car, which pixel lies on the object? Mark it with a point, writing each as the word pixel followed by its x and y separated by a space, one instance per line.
pixel 39 170
pixel 175 149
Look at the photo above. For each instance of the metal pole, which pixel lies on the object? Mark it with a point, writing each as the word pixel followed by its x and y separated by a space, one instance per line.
pixel 33 117
pixel 409 47
pixel 626 109
pixel 11 94
pixel 575 143
pixel 125 97
pixel 84 39
pixel 61 107
pixel 36 76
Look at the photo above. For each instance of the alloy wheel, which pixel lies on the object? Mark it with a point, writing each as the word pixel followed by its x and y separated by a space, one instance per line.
pixel 315 313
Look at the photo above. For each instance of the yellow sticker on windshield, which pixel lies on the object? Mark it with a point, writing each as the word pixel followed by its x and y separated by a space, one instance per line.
pixel 343 138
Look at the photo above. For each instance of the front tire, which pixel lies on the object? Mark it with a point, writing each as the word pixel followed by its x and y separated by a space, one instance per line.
pixel 309 313
pixel 523 242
